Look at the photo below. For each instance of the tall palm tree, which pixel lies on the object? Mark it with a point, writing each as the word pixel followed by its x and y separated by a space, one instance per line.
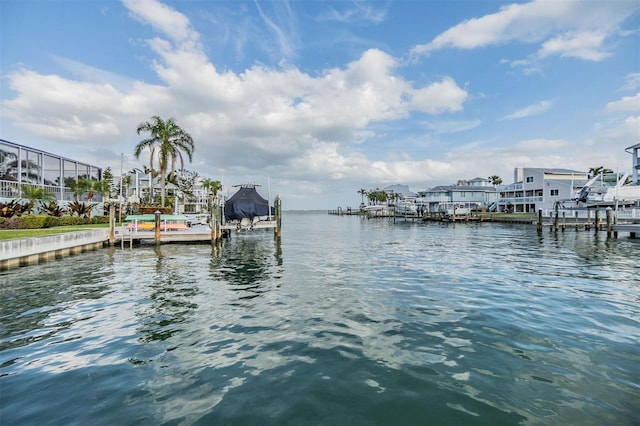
pixel 167 140
pixel 362 193
pixel 213 186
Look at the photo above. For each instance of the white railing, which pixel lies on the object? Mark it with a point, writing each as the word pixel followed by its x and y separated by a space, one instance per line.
pixel 520 200
pixel 626 214
pixel 511 187
pixel 11 190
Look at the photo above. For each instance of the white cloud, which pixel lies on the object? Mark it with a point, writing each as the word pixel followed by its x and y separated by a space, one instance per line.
pixel 357 11
pixel 584 45
pixel 439 97
pixel 530 110
pixel 626 104
pixel 91 74
pixel 282 26
pixel 164 20
pixel 444 127
pixel 569 28
pixel 632 82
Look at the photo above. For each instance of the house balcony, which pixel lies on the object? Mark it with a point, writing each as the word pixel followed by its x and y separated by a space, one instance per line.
pixel 520 200
pixel 511 187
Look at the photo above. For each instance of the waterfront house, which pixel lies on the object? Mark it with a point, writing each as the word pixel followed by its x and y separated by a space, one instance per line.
pixel 477 192
pixel 144 188
pixel 21 165
pixel 539 188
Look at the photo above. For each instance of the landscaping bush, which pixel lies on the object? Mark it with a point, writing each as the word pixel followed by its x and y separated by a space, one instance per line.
pixel 97 220
pixel 32 222
pixel 39 222
pixel 70 220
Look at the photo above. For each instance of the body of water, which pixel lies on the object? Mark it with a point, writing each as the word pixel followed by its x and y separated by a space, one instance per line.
pixel 346 321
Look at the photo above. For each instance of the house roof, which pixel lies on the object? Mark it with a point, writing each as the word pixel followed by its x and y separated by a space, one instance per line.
pixel 636 146
pixel 447 188
pixel 556 171
pixel 400 189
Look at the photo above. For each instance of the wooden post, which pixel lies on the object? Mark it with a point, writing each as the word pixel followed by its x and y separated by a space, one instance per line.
pixel 555 218
pixel 112 224
pixel 597 221
pixel 609 221
pixel 277 232
pixel 212 223
pixel 587 226
pixel 157 226
pixel 539 220
pixel 216 223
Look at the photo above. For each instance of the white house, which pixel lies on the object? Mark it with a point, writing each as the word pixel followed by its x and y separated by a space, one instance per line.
pixel 477 191
pixel 635 152
pixel 539 188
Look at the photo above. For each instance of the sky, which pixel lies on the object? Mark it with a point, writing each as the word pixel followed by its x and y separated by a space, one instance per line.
pixel 316 100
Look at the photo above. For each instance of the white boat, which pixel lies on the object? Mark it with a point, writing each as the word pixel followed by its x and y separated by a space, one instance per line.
pixel 406 207
pixel 457 208
pixel 378 210
pixel 608 189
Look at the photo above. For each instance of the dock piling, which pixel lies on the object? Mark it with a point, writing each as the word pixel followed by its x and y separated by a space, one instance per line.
pixel 539 220
pixel 157 226
pixel 112 224
pixel 277 231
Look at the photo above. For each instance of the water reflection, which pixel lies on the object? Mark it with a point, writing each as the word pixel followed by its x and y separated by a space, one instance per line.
pixel 32 300
pixel 248 263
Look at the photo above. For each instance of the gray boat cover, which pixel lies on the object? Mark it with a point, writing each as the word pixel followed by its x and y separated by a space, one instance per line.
pixel 246 203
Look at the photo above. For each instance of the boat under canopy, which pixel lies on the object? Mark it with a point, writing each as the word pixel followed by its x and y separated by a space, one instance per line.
pixel 246 204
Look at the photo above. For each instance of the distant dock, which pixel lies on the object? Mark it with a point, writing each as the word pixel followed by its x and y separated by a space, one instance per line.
pixel 558 221
pixel 346 212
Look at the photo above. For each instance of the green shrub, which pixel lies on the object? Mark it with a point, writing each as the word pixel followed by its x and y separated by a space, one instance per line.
pixel 32 222
pixel 99 220
pixel 70 220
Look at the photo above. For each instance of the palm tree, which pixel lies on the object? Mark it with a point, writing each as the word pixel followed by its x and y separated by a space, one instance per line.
pixel 167 140
pixel 90 186
pixel 213 186
pixel 595 171
pixel 495 180
pixel 33 193
pixel 363 193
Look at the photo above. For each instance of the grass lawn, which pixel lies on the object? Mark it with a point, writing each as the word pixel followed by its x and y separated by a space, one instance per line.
pixel 8 234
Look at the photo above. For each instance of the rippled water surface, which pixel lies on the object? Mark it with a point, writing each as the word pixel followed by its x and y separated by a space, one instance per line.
pixel 347 321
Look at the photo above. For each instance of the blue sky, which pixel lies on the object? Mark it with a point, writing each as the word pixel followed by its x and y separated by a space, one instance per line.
pixel 322 98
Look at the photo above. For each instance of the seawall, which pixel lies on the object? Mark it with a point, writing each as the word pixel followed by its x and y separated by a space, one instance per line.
pixel 28 251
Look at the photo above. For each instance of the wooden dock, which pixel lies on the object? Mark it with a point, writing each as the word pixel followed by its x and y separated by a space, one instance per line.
pixel 210 233
pixel 632 228
pixel 346 212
